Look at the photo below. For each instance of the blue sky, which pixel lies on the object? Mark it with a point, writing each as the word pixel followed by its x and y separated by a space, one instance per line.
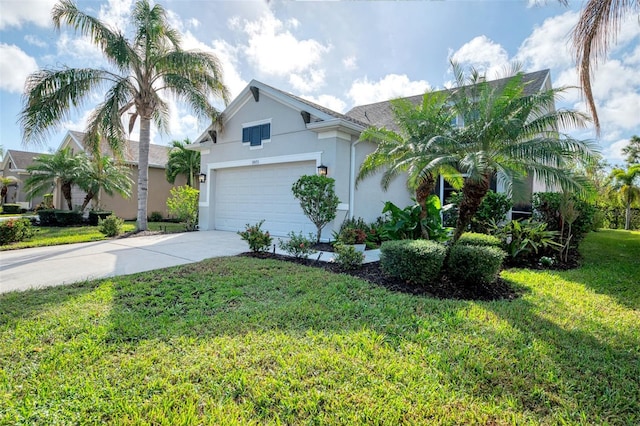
pixel 338 54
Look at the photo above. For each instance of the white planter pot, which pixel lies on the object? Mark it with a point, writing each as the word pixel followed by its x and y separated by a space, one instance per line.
pixel 360 247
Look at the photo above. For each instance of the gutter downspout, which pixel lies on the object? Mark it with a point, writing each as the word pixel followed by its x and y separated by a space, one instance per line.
pixel 352 178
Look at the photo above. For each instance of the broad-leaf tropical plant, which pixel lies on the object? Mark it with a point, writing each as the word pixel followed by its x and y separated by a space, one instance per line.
pixel 627 184
pixel 183 161
pixel 49 170
pixel 512 133
pixel 143 68
pixel 414 148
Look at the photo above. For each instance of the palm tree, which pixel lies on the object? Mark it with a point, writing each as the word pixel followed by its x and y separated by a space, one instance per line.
pixel 632 150
pixel 144 68
pixel 510 133
pixel 183 161
pixel 628 190
pixel 599 21
pixel 413 149
pixel 102 174
pixel 49 170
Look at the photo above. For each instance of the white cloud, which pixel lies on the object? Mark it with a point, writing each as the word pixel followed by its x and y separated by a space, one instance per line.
pixel 483 54
pixel 15 66
pixel 621 110
pixel 548 46
pixel 34 41
pixel 350 63
pixel 613 152
pixel 116 13
pixel 272 49
pixel 328 101
pixel 392 86
pixel 17 13
pixel 228 57
pixel 81 48
pixel 307 82
pixel 633 58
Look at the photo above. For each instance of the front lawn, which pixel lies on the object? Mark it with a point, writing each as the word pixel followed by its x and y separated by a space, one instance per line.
pixel 55 235
pixel 252 341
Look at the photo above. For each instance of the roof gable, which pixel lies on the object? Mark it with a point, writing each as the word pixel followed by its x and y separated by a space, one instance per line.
pixel 20 160
pixel 158 154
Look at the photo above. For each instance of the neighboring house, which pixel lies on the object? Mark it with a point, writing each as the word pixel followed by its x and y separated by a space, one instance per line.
pixel 14 164
pixel 127 208
pixel 269 138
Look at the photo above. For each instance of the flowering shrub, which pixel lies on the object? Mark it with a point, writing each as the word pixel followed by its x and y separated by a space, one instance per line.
pixel 298 245
pixel 353 236
pixel 258 240
pixel 14 230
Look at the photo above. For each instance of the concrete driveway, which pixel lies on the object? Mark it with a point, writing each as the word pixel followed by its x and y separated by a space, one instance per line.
pixel 50 266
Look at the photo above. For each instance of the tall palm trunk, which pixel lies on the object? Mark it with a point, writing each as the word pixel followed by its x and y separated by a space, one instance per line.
pixel 472 194
pixel 143 171
pixel 66 193
pixel 87 199
pixel 422 193
pixel 627 217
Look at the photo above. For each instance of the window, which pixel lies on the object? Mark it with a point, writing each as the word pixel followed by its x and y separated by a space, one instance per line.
pixel 255 135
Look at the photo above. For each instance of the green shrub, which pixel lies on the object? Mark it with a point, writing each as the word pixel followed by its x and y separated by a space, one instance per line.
pixel 183 203
pixel 347 256
pixel 47 217
pixel 477 239
pixel 14 230
pixel 298 245
pixel 494 207
pixel 258 240
pixel 468 264
pixel 68 217
pixel 419 261
pixel 155 217
pixel 11 208
pixel 546 208
pixel 111 226
pixel 95 216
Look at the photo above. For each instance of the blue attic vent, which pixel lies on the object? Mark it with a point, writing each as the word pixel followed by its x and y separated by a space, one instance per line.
pixel 256 93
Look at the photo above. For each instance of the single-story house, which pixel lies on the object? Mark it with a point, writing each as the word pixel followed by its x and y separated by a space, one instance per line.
pixel 127 208
pixel 14 165
pixel 269 138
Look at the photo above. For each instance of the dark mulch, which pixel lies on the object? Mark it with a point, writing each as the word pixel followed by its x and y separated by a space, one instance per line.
pixel 442 289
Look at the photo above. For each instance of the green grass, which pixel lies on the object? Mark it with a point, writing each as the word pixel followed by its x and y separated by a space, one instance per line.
pixel 53 236
pixel 249 341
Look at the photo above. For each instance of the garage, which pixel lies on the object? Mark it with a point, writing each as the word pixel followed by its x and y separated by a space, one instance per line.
pixel 252 193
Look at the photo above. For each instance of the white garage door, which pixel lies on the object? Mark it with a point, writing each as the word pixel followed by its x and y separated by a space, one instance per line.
pixel 249 194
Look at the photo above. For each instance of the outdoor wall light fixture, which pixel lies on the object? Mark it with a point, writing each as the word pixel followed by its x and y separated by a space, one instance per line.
pixel 322 170
pixel 202 177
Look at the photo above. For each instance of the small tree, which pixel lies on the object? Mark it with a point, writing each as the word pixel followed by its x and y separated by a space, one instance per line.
pixel 183 203
pixel 318 199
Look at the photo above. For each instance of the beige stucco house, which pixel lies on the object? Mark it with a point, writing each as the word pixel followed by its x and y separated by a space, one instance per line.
pixel 127 208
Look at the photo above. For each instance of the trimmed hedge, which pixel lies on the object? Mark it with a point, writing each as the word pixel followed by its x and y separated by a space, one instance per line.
pixel 11 209
pixel 47 217
pixel 469 264
pixel 419 261
pixel 477 239
pixel 94 216
pixel 68 217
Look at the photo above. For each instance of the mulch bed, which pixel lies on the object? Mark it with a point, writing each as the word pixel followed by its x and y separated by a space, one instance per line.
pixel 442 289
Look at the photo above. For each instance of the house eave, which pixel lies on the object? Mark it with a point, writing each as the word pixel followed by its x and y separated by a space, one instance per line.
pixel 336 125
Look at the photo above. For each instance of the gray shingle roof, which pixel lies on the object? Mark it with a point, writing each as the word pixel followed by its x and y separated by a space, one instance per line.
pixel 158 154
pixel 380 114
pixel 21 159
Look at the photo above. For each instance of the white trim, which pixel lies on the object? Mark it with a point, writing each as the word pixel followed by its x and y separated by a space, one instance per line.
pixel 256 123
pixel 211 167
